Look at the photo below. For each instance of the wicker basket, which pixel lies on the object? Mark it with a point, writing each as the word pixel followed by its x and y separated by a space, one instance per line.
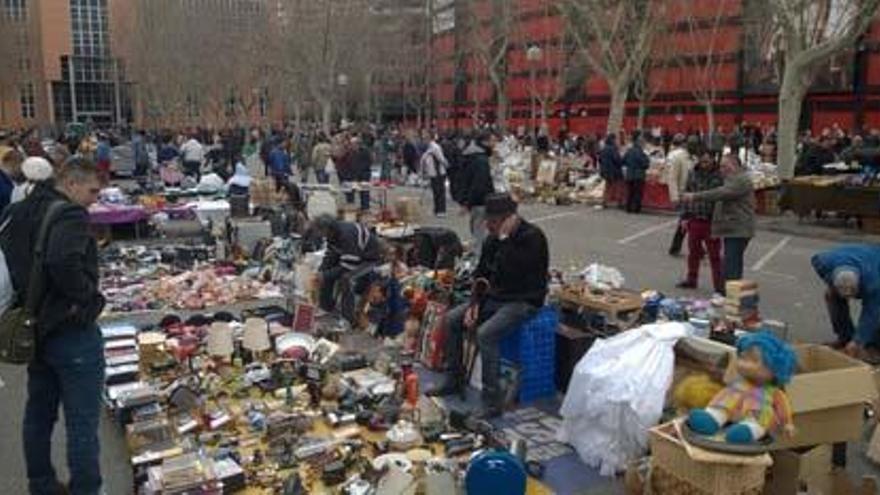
pixel 663 482
pixel 668 456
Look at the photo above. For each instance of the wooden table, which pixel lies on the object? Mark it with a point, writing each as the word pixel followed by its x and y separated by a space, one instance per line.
pixel 621 307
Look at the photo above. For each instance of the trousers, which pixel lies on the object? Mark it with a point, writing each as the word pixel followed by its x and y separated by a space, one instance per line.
pixel 68 371
pixel 635 189
pixel 701 242
pixel 438 188
pixel 734 252
pixel 496 321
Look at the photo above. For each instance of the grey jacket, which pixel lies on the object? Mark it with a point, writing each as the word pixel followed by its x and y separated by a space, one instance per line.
pixel 734 214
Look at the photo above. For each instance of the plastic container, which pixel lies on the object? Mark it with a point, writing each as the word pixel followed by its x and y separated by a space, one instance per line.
pixel 533 348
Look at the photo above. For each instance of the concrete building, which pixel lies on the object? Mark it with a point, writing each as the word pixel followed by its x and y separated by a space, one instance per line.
pixel 69 70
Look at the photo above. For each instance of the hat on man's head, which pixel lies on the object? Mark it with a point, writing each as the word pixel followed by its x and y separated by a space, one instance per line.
pixel 36 169
pixel 500 205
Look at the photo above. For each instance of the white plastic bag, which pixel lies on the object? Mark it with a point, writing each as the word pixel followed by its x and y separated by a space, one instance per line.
pixel 616 394
pixel 603 277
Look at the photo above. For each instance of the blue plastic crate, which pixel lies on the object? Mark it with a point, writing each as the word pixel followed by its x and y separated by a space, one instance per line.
pixel 533 348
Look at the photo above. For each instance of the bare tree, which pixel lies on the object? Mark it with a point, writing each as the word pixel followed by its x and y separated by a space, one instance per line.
pixel 646 85
pixel 615 37
pixel 549 59
pixel 810 33
pixel 491 35
pixel 697 30
pixel 326 42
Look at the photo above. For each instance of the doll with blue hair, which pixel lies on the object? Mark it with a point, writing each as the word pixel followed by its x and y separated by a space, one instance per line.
pixel 754 404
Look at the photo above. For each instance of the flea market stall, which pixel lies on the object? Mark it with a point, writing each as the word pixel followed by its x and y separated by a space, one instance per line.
pixel 225 377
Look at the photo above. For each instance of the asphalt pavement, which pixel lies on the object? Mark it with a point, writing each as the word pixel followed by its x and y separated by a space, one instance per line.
pixel 778 259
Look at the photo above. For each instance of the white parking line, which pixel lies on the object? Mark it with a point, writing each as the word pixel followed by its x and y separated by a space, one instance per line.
pixel 770 254
pixel 553 216
pixel 648 231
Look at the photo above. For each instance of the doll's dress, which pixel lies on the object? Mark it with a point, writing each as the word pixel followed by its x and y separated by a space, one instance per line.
pixel 767 405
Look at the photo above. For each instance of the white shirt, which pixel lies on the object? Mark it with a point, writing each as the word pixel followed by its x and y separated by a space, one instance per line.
pixel 192 151
pixel 433 161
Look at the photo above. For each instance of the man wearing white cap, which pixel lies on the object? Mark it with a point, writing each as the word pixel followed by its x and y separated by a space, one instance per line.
pixel 35 169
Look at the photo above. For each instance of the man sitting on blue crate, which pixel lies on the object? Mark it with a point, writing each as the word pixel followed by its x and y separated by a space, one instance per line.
pixel 853 272
pixel 509 284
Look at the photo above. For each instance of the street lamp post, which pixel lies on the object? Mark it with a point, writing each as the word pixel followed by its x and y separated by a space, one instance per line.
pixel 534 54
pixel 342 81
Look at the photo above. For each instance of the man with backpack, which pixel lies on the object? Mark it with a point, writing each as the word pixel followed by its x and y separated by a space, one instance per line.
pixel 67 368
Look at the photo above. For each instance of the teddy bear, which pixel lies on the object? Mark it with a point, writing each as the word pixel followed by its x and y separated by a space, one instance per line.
pixel 754 403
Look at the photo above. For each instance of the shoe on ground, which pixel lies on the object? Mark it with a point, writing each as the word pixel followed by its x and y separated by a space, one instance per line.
pixel 686 284
pixel 450 386
pixel 675 254
pixel 440 215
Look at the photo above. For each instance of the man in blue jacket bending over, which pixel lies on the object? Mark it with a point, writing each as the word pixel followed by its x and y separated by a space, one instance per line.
pixel 853 272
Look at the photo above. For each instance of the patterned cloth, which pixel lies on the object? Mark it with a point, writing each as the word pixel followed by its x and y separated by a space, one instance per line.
pixel 701 180
pixel 767 405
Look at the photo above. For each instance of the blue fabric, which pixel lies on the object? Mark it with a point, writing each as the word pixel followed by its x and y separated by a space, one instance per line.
pixel 702 422
pixel 734 254
pixel 637 163
pixel 167 153
pixel 739 434
pixel 864 258
pixel 6 187
pixel 279 162
pixel 103 151
pixel 68 371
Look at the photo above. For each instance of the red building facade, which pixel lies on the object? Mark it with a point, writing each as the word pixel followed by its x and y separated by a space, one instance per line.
pixel 738 39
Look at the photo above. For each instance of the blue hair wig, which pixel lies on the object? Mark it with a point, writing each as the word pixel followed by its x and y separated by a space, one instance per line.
pixel 777 354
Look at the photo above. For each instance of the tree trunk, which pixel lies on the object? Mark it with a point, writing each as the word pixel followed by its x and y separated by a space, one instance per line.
pixel 501 110
pixel 618 107
pixel 643 111
pixel 791 97
pixel 710 114
pixel 326 115
pixel 297 114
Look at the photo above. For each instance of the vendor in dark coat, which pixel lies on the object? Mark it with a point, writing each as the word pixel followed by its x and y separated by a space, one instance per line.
pixel 350 248
pixel 510 284
pixel 476 186
pixel 636 162
pixel 852 272
pixel 815 157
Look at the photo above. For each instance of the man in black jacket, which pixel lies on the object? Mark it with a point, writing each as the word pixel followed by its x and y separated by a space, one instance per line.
pixel 476 186
pixel 611 167
pixel 351 248
pixel 636 162
pixel 512 277
pixel 68 369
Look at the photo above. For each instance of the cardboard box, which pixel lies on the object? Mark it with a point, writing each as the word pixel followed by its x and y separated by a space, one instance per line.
pixel 828 397
pixel 801 471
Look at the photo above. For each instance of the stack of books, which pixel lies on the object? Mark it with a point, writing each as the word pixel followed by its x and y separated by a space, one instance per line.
pixel 741 304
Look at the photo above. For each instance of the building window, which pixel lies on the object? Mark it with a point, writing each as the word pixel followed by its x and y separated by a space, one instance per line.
pixel 14 10
pixel 28 101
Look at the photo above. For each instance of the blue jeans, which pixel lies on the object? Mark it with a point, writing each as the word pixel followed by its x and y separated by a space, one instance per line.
pixel 841 319
pixel 67 371
pixel 734 252
pixel 496 321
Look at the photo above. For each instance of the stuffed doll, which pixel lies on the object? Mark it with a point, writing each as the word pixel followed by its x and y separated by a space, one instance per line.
pixel 753 403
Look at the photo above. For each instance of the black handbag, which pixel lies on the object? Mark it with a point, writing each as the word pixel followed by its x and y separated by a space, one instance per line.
pixel 18 324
